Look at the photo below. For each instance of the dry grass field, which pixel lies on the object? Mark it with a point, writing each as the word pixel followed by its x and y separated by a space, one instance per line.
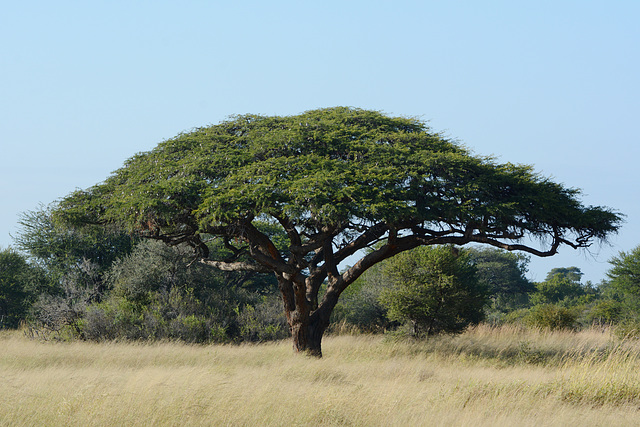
pixel 484 377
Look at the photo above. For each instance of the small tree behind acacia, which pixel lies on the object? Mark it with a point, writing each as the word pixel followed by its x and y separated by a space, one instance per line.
pixel 503 273
pixel 335 181
pixel 74 260
pixel 435 288
pixel 62 249
pixel 624 274
pixel 623 290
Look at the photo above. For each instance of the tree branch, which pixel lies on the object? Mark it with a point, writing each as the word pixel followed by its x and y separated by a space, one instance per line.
pixel 524 248
pixel 236 266
pixel 289 227
pixel 371 235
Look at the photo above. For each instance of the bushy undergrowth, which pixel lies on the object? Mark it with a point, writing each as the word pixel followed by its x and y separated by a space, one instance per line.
pixel 551 316
pixel 158 293
pixel 182 317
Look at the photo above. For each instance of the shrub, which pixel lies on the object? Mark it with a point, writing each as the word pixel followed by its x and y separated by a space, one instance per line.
pixel 603 312
pixel 435 289
pixel 551 316
pixel 19 284
pixel 555 289
pixel 263 321
pixel 66 310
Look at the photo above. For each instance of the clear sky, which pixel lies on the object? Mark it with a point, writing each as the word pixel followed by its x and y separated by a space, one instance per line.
pixel 555 84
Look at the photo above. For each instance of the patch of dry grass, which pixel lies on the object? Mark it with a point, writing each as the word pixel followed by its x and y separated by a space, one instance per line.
pixel 486 376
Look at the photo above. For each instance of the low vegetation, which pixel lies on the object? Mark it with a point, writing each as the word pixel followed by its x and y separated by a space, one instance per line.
pixel 484 376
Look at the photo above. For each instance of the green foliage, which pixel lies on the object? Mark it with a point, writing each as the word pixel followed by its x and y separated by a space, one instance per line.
pixel 61 248
pixel 573 274
pixel 328 167
pixel 99 288
pixel 20 283
pixel 605 311
pixel 360 305
pixel 174 316
pixel 624 274
pixel 435 288
pixel 557 288
pixel 157 292
pixel 622 290
pixel 72 260
pixel 503 274
pixel 62 311
pixel 153 268
pixel 562 302
pixel 263 321
pixel 551 316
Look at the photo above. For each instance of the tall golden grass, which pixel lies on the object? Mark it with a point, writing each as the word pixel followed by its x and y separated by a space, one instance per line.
pixel 486 376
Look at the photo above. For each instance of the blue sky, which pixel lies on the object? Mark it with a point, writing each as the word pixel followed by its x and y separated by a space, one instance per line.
pixel 555 84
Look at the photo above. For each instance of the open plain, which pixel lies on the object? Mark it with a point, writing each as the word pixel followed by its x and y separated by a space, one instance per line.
pixel 483 377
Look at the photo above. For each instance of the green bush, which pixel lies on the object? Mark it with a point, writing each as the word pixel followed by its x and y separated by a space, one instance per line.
pixel 551 316
pixel 20 283
pixel 556 289
pixel 604 312
pixel 435 289
pixel 157 292
pixel 118 318
pixel 263 321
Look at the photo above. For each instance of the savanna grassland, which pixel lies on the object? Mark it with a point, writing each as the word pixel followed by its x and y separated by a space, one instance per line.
pixel 485 376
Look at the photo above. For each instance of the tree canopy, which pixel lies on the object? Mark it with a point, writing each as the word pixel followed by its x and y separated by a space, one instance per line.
pixel 20 282
pixel 502 272
pixel 335 181
pixel 623 287
pixel 572 274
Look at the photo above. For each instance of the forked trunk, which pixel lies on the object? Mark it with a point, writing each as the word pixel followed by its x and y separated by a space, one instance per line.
pixel 307 325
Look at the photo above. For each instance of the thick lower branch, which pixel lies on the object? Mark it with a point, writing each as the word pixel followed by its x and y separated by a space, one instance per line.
pixel 236 266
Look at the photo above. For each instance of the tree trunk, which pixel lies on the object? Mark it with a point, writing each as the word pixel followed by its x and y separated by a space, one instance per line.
pixel 307 337
pixel 307 321
pixel 307 333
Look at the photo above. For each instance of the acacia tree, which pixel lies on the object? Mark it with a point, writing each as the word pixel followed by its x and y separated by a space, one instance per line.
pixel 336 181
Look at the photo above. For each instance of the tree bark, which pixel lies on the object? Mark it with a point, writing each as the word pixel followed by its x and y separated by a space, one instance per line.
pixel 307 337
pixel 307 326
